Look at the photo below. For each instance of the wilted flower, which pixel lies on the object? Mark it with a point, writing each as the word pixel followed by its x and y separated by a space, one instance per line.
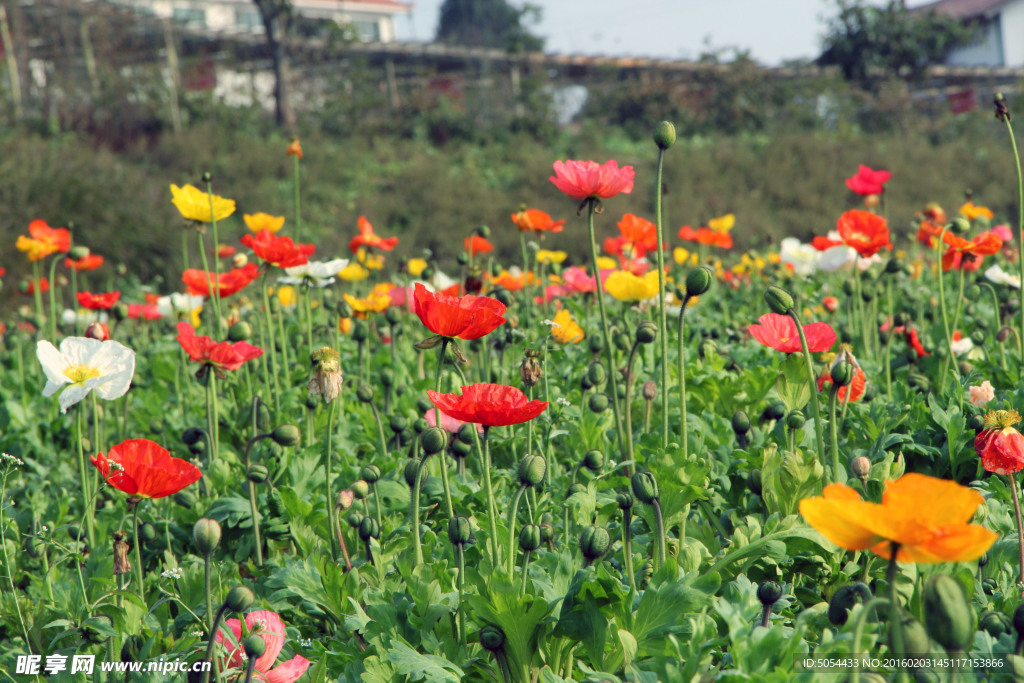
pixel 327 376
pixel 1001 277
pixel 1000 446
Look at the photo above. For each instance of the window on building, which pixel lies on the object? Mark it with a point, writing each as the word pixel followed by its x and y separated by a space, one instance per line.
pixel 248 20
pixel 368 31
pixel 190 15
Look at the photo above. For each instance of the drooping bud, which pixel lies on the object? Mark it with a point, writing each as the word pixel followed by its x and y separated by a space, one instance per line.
pixel 779 300
pixel 412 469
pixel 795 420
pixel 646 332
pixel 530 537
pixel 664 135
pixel 593 460
pixel 459 530
pixel 360 489
pixel 740 422
pixel 206 535
pixel 185 498
pixel 370 474
pixel 287 435
pixel 597 374
pixel 240 331
pixel 844 599
pixel 624 501
pixel 650 391
pixel 842 374
pixel 598 403
pixel 995 623
pixel 769 593
pixel 532 469
pixel 433 440
pixel 257 474
pixel 492 638
pixel 754 481
pixel 645 487
pixel 948 614
pixel 960 225
pixel 369 528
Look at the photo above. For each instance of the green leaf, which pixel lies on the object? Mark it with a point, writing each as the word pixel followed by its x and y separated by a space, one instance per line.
pixel 629 645
pixel 431 668
pixel 792 382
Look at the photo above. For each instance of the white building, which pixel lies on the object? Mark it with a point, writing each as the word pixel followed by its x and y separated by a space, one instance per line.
pixel 373 20
pixel 1002 31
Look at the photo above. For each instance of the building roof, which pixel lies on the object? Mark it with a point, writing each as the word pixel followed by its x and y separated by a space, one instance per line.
pixel 376 5
pixel 962 9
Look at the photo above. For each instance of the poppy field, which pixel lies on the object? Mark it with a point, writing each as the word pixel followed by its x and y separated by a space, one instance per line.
pixel 655 459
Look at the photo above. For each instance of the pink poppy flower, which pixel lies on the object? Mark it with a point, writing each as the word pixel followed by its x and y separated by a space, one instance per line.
pixel 583 179
pixel 577 280
pixel 449 424
pixel 1003 232
pixel 780 333
pixel 982 393
pixel 868 181
pixel 268 626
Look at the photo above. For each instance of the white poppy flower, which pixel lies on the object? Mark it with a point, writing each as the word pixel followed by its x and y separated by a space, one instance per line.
pixel 178 304
pixel 803 257
pixel 314 273
pixel 83 365
pixel 1001 277
pixel 836 258
pixel 961 346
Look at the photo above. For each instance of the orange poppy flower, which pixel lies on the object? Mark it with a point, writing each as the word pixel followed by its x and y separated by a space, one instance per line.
pixel 85 264
pixel 535 220
pixel 294 149
pixel 199 283
pixel 856 386
pixel 43 240
pixel 367 238
pixel 985 244
pixel 477 245
pixel 706 236
pixel 926 516
pixel 866 232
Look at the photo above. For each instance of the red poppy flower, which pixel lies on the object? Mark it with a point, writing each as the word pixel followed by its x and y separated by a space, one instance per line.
pixel 915 342
pixel 98 302
pixel 491 405
pixel 279 251
pixel 866 232
pixel 226 251
pixel 824 243
pixel 3 271
pixel 780 333
pixel 962 253
pixel 85 264
pixel 583 179
pixel 43 240
pixel 857 385
pixel 29 286
pixel 199 282
pixel 867 181
pixel 367 238
pixel 221 355
pixel 144 311
pixel 465 317
pixel 830 303
pixel 706 236
pixel 535 220
pixel 1000 446
pixel 145 469
pixel 477 245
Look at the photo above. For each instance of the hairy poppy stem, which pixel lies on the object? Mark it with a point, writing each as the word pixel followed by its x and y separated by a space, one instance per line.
pixel 1020 528
pixel 834 432
pixel 213 641
pixel 1020 217
pixel 138 555
pixel 328 462
pixel 437 420
pixel 858 631
pixel 629 405
pixel 53 297
pixel 216 257
pixel 88 512
pixel 512 528
pixel 662 324
pixel 895 614
pixel 609 347
pixel 818 438
pixel 942 308
pixel 270 358
pixel 682 377
pixel 627 546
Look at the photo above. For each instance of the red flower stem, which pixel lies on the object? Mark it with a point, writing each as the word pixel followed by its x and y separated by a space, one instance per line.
pixel 662 324
pixel 818 439
pixel 53 297
pixel 1020 528
pixel 216 249
pixel 608 346
pixel 945 316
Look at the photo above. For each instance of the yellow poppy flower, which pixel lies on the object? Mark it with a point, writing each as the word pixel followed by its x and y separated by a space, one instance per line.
pixel 545 256
pixel 353 272
pixel 194 204
pixel 287 296
pixel 625 286
pixel 927 517
pixel 375 302
pixel 416 266
pixel 194 316
pixel 606 263
pixel 722 223
pixel 262 221
pixel 971 212
pixel 683 256
pixel 566 330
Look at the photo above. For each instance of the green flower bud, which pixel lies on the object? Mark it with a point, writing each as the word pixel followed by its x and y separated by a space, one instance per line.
pixel 198 448
pixel 393 316
pixel 795 420
pixel 364 393
pixel 503 296
pixel 420 425
pixel 779 300
pixel 645 487
pixel 842 374
pixel 360 489
pixel 597 374
pixel 775 411
pixel 754 481
pixel 433 440
pixel 574 489
pixel 156 427
pixel 959 226
pixel 460 449
pixel 769 592
pixel 530 538
pixel 206 535
pixel 948 614
pixel 344 309
pixel 646 332
pixel 1018 620
pixel 467 433
pixel 664 135
pixel 398 423
pixel 239 599
pixel 893 266
pixel 240 331
pixel 387 376
pixel 595 343
pixel 354 519
pixel 462 258
pixel 492 638
pixel 740 422
pixel 79 252
pixel 120 311
pixel 699 280
pixel 147 532
pixel 254 647
pixel 459 531
pixel 287 435
pixel 915 638
pixel 262 416
pixel 593 460
pixel 622 341
pixel 360 332
pixel 844 599
pixel 185 499
pixel 532 469
pixel 257 474
pixel 370 474
pixel 192 435
pixel 594 542
pixel 598 403
pixel 547 532
pixel 410 472
pixel 368 528
pixel 624 501
pixel 995 623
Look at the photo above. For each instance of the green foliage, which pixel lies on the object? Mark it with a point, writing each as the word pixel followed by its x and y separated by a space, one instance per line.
pixel 488 23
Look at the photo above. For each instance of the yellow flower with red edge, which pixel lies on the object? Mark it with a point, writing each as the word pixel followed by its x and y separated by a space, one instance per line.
pixel 257 222
pixel 42 240
pixel 195 205
pixel 925 516
pixel 625 286
pixel 565 330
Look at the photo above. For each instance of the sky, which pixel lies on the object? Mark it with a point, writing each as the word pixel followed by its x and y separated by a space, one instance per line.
pixel 774 31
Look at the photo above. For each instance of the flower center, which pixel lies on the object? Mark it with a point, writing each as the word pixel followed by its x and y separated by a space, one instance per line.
pixel 1001 419
pixel 80 373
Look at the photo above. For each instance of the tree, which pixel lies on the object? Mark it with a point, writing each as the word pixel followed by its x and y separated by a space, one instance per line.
pixel 489 23
pixel 866 41
pixel 277 18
